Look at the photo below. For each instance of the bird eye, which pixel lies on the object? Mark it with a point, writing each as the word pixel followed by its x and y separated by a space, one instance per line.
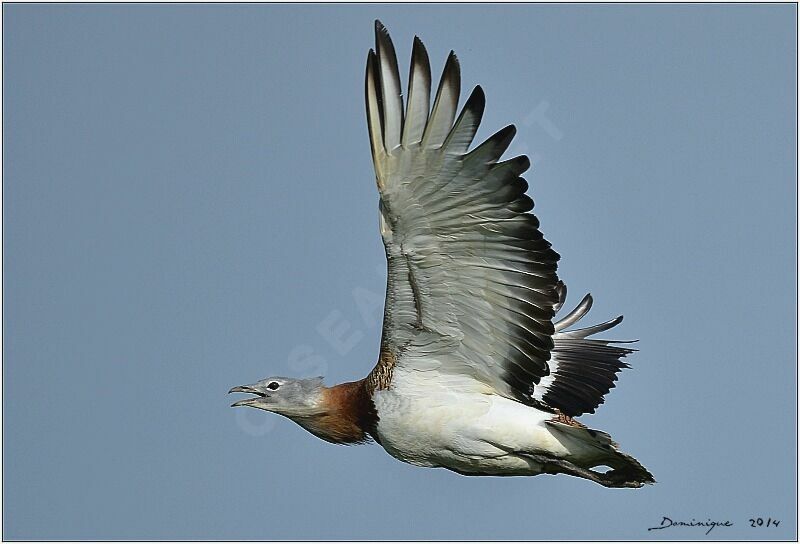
pixel 273 385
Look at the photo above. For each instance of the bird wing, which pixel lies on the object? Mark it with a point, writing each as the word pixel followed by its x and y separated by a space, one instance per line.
pixel 472 286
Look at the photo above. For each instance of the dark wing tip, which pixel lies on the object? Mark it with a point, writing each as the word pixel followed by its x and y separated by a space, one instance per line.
pixel 452 60
pixel 371 71
pixel 383 41
pixel 476 100
pixel 476 103
pixel 523 163
pixel 452 64
pixel 381 34
pixel 502 138
pixel 419 55
pixel 495 145
pixel 523 204
pixel 372 65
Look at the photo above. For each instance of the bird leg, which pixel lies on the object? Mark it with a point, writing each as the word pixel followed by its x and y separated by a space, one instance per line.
pixel 561 417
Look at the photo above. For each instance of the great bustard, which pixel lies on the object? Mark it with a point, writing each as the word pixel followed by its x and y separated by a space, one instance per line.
pixel 473 374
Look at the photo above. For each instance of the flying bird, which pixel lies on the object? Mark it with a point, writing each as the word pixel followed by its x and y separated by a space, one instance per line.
pixel 474 374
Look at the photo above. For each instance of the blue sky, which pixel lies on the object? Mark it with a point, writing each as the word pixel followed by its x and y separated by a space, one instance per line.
pixel 189 205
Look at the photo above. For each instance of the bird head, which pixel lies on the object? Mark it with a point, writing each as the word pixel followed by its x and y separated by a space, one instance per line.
pixel 290 397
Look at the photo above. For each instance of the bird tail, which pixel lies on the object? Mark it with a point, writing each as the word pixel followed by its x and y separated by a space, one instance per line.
pixel 598 449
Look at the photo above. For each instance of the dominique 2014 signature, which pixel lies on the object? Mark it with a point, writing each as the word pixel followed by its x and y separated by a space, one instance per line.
pixel 667 522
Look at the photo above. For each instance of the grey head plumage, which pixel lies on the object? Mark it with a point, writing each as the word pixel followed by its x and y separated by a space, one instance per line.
pixel 290 397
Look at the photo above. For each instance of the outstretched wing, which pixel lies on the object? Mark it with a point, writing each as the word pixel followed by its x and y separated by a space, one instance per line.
pixel 472 286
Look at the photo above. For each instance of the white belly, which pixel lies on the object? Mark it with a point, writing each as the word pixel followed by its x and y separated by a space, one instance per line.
pixel 462 426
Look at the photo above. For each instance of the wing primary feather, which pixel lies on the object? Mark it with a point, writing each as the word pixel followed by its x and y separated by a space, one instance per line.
pixel 390 88
pixel 445 104
pixel 518 165
pixel 493 148
pixel 374 123
pixel 419 95
pixel 460 138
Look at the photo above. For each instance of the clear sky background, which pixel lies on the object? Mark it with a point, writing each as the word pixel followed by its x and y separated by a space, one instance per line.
pixel 189 205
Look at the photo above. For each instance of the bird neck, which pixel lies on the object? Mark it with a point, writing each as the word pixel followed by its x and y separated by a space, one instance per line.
pixel 347 416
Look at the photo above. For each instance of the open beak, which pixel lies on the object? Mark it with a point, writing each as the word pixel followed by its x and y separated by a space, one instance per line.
pixel 252 389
